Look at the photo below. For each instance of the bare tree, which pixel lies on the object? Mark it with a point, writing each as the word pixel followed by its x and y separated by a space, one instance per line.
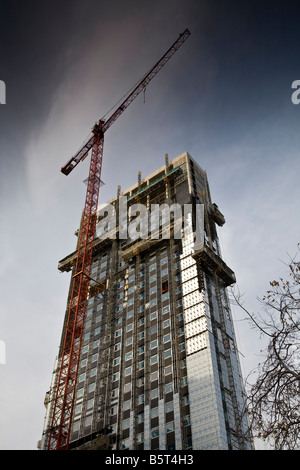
pixel 273 398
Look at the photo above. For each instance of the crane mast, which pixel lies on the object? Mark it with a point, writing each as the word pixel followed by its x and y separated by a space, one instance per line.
pixel 60 428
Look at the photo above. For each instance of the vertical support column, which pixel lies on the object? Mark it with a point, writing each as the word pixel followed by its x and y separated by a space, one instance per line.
pixel 60 429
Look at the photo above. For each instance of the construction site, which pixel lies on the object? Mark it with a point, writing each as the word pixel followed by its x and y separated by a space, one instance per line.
pixel 148 357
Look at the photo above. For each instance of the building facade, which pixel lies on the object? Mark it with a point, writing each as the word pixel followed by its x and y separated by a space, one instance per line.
pixel 159 366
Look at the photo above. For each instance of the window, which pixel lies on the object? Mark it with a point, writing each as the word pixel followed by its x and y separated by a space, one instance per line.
pixel 118 320
pixel 116 361
pixel 169 407
pixel 153 344
pixel 116 376
pixel 154 413
pixel 164 287
pixel 127 388
pixel 118 333
pixel 166 323
pixel 140 399
pixel 126 423
pixel 153 330
pixel 186 420
pixel 114 393
pixel 86 336
pixel 93 372
pixel 167 338
pixel 90 404
pixel 166 309
pixel 78 409
pixel 140 418
pixel 188 442
pixel 97 331
pixel 152 267
pixel 153 278
pixel 126 405
pixel 154 393
pixel 141 349
pixel 153 303
pixel 129 327
pixel 92 387
pixel 94 357
pixel 170 426
pixel 153 316
pixel 184 381
pixel 81 377
pixel 96 344
pixel 128 356
pixel 154 359
pixel 165 297
pixel 141 365
pixel 154 376
pixel 167 353
pixel 129 341
pixel 168 387
pixel 141 381
pixel 164 272
pixel 155 432
pixel 83 362
pixel 168 370
pixel 153 290
pixel 186 400
pixel 128 371
pixel 171 446
pixel 140 437
pixel 76 426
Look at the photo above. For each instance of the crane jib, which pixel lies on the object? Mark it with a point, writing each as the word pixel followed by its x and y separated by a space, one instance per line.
pixel 80 155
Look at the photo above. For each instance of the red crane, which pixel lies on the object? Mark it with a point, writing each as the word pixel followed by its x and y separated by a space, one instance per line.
pixel 59 433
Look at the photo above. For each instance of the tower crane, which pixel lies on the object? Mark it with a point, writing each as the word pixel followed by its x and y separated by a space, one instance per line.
pixel 60 428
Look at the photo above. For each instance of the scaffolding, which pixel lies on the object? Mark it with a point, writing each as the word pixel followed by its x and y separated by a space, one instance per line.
pixel 190 275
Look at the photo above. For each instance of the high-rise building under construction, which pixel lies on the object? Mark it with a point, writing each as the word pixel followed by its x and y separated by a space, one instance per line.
pixel 159 366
